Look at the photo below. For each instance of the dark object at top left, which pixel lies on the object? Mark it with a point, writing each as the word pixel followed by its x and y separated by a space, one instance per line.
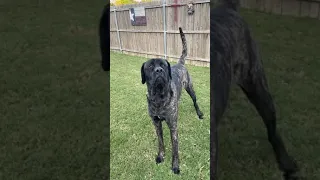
pixel 104 38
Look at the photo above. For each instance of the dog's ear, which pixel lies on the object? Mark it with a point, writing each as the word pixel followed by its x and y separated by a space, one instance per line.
pixel 143 77
pixel 169 69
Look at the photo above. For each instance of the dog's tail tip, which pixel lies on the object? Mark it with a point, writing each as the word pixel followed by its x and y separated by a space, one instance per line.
pixel 180 29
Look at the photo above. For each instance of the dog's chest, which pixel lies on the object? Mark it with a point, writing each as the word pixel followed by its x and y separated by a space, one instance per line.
pixel 167 108
pixel 162 110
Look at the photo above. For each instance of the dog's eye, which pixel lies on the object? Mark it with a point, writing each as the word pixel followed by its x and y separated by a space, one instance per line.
pixel 150 66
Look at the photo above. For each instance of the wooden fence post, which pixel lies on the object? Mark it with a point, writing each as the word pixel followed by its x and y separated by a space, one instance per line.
pixel 164 29
pixel 118 33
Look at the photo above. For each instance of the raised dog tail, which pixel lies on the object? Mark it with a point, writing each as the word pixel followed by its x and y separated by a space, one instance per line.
pixel 233 4
pixel 184 47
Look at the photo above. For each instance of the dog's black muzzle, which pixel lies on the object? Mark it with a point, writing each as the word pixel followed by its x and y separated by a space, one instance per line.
pixel 160 82
pixel 160 77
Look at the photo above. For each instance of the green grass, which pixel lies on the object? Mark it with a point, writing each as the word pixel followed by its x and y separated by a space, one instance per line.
pixel 53 115
pixel 134 144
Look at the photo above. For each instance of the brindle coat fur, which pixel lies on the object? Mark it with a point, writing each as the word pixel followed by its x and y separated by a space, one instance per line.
pixel 235 58
pixel 164 85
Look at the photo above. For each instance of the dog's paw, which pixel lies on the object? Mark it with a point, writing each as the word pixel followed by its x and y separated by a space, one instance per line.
pixel 200 115
pixel 159 159
pixel 291 171
pixel 292 176
pixel 176 170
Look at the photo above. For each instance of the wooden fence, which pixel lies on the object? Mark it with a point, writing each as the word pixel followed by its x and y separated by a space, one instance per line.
pixel 160 37
pixel 300 8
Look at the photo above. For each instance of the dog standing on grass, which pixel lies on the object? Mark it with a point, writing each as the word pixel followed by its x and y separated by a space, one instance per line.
pixel 165 85
pixel 235 58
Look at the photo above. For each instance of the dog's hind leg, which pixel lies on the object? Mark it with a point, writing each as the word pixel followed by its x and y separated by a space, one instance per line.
pixel 254 85
pixel 256 90
pixel 191 92
pixel 158 125
pixel 220 81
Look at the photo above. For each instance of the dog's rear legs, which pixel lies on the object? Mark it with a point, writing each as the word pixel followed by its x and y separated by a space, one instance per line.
pixel 158 125
pixel 257 92
pixel 220 81
pixel 192 94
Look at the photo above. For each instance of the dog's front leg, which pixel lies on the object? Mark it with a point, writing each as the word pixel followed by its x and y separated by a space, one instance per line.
pixel 172 124
pixel 158 125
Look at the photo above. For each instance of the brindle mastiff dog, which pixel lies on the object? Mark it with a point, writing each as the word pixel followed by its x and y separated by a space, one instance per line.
pixel 235 58
pixel 164 85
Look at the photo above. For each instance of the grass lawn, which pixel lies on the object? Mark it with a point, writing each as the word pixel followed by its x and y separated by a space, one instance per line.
pixel 53 107
pixel 134 144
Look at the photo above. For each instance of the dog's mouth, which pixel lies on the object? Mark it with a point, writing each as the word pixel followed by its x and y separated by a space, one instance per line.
pixel 159 86
pixel 159 83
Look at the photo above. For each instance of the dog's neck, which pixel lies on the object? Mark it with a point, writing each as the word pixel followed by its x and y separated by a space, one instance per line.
pixel 159 96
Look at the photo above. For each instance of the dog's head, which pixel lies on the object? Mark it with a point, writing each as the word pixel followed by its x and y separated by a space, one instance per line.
pixel 156 72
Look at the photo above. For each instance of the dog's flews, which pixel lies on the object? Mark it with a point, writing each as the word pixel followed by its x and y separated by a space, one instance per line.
pixel 235 58
pixel 164 85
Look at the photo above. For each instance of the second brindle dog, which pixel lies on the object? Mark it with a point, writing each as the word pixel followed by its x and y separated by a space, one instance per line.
pixel 235 58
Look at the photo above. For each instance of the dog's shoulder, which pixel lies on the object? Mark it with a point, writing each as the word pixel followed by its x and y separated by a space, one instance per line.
pixel 179 70
pixel 180 75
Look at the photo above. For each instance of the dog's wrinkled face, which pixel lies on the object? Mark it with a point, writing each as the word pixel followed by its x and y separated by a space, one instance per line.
pixel 156 72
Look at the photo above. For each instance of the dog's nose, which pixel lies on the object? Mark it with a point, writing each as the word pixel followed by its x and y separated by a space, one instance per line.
pixel 158 69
